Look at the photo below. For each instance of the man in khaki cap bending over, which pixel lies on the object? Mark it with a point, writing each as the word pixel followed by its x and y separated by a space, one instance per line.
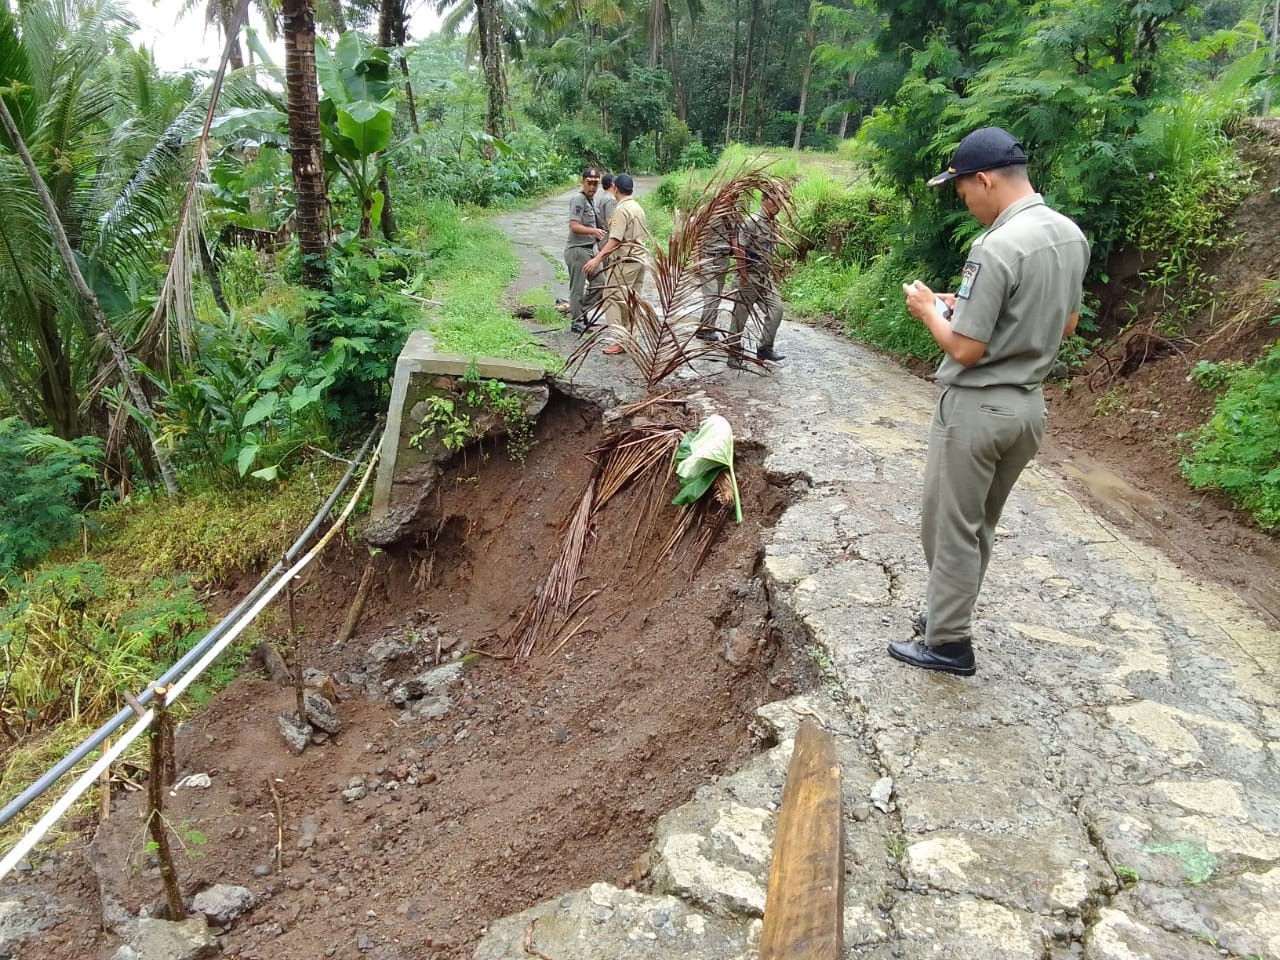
pixel 1019 296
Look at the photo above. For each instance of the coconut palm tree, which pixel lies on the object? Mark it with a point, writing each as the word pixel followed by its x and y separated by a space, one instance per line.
pixel 84 219
pixel 306 149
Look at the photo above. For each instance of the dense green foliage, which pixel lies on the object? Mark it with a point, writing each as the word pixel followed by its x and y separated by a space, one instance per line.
pixel 41 479
pixel 1238 450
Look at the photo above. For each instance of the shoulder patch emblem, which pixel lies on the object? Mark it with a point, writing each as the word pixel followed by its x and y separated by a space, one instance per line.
pixel 967 277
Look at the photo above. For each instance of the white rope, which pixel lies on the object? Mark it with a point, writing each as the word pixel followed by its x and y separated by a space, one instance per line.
pixel 175 689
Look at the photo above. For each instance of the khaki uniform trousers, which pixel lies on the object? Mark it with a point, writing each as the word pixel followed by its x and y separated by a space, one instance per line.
pixel 583 296
pixel 715 271
pixel 760 293
pixel 624 275
pixel 980 440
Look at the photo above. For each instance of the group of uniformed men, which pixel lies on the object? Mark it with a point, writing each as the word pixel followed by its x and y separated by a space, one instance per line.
pixel 605 257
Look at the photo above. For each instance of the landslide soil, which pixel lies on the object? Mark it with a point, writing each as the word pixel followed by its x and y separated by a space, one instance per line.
pixel 1116 429
pixel 545 775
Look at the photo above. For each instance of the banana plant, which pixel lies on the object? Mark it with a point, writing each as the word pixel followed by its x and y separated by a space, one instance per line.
pixel 357 110
pixel 356 113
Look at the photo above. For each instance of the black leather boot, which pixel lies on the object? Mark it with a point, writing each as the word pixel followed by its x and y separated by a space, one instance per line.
pixel 769 354
pixel 954 658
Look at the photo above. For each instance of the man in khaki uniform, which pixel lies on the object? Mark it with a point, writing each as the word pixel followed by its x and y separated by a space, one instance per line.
pixel 757 287
pixel 585 231
pixel 714 260
pixel 625 246
pixel 606 202
pixel 1019 296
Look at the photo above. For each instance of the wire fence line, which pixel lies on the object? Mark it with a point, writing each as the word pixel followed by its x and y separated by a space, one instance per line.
pixel 180 676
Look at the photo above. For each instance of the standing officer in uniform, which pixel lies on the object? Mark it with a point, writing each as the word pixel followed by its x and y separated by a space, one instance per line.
pixel 714 260
pixel 584 232
pixel 606 201
pixel 625 246
pixel 756 242
pixel 1019 297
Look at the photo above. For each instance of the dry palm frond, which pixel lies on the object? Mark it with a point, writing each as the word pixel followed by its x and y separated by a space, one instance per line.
pixel 704 520
pixel 556 595
pixel 630 455
pixel 623 459
pixel 636 407
pixel 174 308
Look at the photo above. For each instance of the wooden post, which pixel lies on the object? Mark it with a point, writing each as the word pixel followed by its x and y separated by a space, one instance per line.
pixel 297 660
pixel 357 605
pixel 155 807
pixel 804 910
pixel 104 787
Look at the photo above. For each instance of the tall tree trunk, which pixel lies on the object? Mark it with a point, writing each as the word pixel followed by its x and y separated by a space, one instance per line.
pixel 387 220
pixel 677 86
pixel 489 27
pixel 224 11
pixel 657 22
pixel 400 35
pixel 810 38
pixel 763 59
pixel 393 30
pixel 305 148
pixel 385 15
pixel 844 117
pixel 733 69
pixel 746 69
pixel 90 299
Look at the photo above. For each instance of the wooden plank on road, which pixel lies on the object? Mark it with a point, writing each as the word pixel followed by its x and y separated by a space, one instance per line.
pixel 804 909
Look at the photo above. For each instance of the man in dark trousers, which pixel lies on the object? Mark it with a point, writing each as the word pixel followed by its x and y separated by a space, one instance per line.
pixel 757 286
pixel 606 200
pixel 1019 297
pixel 585 231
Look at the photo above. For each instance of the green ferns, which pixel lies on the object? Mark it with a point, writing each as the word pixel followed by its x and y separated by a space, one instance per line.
pixel 40 479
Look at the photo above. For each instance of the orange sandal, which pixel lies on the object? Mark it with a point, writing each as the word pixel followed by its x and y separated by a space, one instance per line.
pixel 613 351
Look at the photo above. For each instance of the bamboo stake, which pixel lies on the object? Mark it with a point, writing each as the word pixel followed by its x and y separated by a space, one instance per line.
pixel 275 796
pixel 155 808
pixel 104 787
pixel 357 605
pixel 297 658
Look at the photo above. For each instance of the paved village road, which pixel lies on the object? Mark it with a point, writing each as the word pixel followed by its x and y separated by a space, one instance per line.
pixel 1107 786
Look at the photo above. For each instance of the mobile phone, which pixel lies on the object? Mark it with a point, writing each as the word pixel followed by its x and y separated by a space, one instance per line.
pixel 942 308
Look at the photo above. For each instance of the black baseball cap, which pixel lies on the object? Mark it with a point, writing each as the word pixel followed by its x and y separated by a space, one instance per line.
pixel 623 183
pixel 988 148
pixel 590 173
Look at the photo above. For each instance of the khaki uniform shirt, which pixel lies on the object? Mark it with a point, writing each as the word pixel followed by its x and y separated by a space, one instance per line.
pixel 758 236
pixel 629 227
pixel 583 210
pixel 1022 280
pixel 606 202
pixel 720 236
